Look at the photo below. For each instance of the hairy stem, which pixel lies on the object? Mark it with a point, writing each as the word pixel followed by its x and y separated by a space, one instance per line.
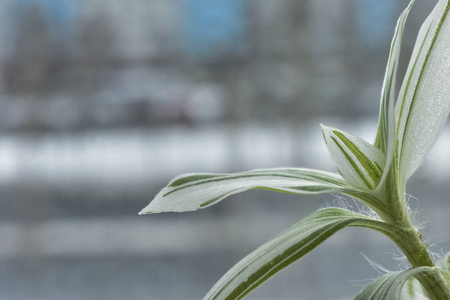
pixel 416 251
pixel 409 240
pixel 417 254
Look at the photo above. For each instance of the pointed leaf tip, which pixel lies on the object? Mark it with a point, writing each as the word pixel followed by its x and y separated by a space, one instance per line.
pixel 195 191
pixel 360 163
pixel 145 211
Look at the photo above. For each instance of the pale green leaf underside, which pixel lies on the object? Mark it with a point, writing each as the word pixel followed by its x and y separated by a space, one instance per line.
pixel 385 140
pixel 360 163
pixel 194 191
pixel 389 286
pixel 424 98
pixel 412 290
pixel 285 249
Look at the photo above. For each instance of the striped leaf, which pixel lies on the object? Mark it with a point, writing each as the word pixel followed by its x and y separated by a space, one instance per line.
pixel 285 249
pixel 360 163
pixel 194 191
pixel 389 286
pixel 385 140
pixel 424 101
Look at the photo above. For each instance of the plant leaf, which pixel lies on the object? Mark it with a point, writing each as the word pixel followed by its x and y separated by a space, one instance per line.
pixel 389 286
pixel 194 191
pixel 360 163
pixel 424 101
pixel 413 290
pixel 385 140
pixel 285 249
pixel 386 122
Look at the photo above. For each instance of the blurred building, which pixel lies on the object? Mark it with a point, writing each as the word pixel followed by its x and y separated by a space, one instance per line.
pixel 153 62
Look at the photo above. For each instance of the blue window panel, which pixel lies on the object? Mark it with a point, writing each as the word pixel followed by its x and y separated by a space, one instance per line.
pixel 213 28
pixel 375 21
pixel 60 11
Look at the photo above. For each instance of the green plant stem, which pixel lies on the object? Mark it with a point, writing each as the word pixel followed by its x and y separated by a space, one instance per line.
pixel 416 251
pixel 409 240
pixel 417 254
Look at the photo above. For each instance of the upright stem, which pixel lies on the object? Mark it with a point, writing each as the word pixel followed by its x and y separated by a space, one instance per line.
pixel 417 254
pixel 415 250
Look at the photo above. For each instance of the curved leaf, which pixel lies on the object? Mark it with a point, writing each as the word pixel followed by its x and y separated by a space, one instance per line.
pixel 194 191
pixel 357 161
pixel 389 286
pixel 285 249
pixel 424 100
pixel 385 139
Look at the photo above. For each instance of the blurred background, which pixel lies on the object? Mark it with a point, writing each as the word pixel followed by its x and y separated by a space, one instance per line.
pixel 102 102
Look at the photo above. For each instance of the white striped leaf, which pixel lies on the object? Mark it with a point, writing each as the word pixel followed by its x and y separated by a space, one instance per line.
pixel 389 286
pixel 385 139
pixel 424 98
pixel 194 191
pixel 285 249
pixel 386 126
pixel 360 163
